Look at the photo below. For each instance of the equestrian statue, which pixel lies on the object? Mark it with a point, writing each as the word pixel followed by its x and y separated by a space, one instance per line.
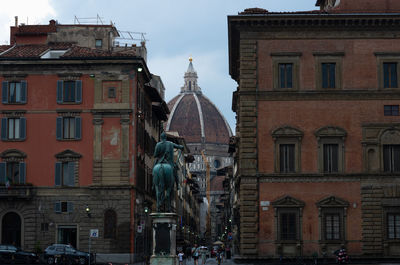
pixel 165 171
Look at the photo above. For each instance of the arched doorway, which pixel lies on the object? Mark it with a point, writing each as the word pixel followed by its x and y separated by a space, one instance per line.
pixel 11 229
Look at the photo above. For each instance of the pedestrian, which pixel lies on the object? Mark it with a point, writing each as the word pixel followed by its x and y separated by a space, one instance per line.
pixel 180 257
pixel 195 254
pixel 203 255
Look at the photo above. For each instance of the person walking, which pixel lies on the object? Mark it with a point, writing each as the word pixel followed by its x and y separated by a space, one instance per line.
pixel 195 254
pixel 180 257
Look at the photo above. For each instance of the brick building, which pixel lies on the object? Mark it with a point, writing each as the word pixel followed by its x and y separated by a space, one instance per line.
pixel 79 122
pixel 318 129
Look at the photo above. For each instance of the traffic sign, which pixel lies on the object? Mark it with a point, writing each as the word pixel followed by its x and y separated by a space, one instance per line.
pixel 94 232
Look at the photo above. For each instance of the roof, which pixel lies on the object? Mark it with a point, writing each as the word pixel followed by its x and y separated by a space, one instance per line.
pixel 35 51
pixel 197 119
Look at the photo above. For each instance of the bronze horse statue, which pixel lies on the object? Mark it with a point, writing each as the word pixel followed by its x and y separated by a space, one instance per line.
pixel 163 182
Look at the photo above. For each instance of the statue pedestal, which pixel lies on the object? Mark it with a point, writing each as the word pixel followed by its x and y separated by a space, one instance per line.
pixel 164 239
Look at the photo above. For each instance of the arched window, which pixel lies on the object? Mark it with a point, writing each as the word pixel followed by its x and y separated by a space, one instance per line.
pixel 110 224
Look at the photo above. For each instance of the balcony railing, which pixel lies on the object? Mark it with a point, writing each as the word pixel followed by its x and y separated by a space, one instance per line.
pixel 16 192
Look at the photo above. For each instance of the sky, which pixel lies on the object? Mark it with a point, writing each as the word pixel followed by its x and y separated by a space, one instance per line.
pixel 174 31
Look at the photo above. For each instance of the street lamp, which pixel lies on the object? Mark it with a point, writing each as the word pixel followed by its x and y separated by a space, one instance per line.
pixel 87 210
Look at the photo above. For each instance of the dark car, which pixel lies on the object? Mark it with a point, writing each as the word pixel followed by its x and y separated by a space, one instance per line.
pixel 12 254
pixel 65 254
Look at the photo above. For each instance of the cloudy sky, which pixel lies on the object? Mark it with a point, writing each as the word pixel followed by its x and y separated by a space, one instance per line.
pixel 175 30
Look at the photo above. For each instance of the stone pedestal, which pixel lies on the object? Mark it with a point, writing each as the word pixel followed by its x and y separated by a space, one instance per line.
pixel 164 239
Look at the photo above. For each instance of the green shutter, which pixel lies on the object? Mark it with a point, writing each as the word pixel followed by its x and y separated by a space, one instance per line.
pixel 23 91
pixel 4 129
pixel 70 207
pixel 57 207
pixel 22 128
pixel 78 91
pixel 78 128
pixel 59 128
pixel 4 92
pixel 22 172
pixel 71 174
pixel 3 172
pixel 58 173
pixel 60 91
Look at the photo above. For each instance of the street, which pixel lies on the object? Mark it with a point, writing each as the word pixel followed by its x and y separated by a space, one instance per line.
pixel 210 261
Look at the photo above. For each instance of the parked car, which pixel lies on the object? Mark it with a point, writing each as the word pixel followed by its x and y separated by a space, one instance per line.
pixel 12 254
pixel 66 254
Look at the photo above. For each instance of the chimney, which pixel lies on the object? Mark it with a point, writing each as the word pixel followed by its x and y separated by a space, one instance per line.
pixel 16 21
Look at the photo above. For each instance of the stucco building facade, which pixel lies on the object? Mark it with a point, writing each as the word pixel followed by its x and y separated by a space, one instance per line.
pixel 78 129
pixel 317 135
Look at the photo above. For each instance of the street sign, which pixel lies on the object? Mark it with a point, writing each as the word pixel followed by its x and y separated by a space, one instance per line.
pixel 94 232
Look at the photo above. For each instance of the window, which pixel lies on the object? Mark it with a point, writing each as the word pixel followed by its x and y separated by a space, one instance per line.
pixel 331 158
pixel 390 75
pixel 287 149
pixel 332 226
pixel 328 69
pixel 288 226
pixel 332 214
pixel 44 227
pixel 99 43
pixel 287 161
pixel 286 70
pixel 393 225
pixel 63 207
pixel 12 172
pixel 65 174
pixel 112 92
pixel 14 92
pixel 68 128
pixel 328 75
pixel 391 110
pixel 69 91
pixel 331 149
pixel 13 128
pixel 110 224
pixel 288 218
pixel 391 158
pixel 285 75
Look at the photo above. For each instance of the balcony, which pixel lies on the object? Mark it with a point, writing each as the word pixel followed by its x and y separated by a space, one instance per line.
pixel 16 192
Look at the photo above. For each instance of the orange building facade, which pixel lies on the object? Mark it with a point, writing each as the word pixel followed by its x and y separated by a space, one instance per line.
pixel 318 130
pixel 78 130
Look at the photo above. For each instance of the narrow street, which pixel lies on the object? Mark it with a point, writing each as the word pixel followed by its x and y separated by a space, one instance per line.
pixel 210 261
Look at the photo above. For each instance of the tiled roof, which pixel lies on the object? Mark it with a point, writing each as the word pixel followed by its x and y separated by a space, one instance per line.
pixel 261 11
pixel 36 29
pixel 4 48
pixel 29 51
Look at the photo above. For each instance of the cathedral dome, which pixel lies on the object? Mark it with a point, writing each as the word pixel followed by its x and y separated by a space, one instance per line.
pixel 194 116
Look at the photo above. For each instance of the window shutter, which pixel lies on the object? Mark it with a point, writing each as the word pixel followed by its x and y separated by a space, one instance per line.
pixel 78 87
pixel 23 91
pixel 71 174
pixel 4 92
pixel 393 75
pixel 22 128
pixel 396 158
pixel 335 158
pixel 4 129
pixel 70 207
pixel 60 91
pixel 291 158
pixel 59 128
pixel 78 128
pixel 57 178
pixel 289 75
pixel 22 172
pixel 332 75
pixel 2 172
pixel 324 75
pixel 282 76
pixel 57 207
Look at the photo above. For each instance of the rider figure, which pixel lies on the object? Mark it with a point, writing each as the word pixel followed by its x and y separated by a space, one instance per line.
pixel 164 153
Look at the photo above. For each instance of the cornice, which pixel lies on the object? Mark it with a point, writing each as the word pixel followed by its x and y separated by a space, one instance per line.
pixel 323 95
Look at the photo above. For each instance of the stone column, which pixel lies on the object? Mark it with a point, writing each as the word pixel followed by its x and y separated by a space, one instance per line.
pixel 164 239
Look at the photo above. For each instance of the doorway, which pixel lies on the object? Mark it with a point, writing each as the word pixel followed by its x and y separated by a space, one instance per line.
pixel 11 229
pixel 67 234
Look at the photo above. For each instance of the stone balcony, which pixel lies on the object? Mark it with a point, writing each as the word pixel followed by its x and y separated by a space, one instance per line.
pixel 16 192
